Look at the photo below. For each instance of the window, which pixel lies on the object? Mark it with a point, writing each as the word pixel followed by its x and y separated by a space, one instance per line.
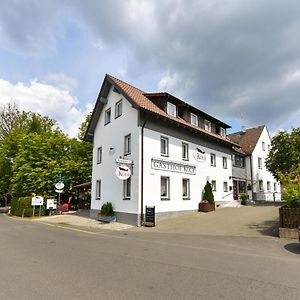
pixel 242 187
pixel 127 144
pixel 118 109
pixel 259 163
pixel 194 119
pixel 260 185
pixel 99 155
pixel 213 159
pixel 263 146
pixel 98 189
pixel 171 109
pixel 268 186
pixel 185 151
pixel 107 116
pixel 238 161
pixel 225 186
pixel 186 188
pixel 127 188
pixel 222 132
pixel 224 162
pixel 164 146
pixel 214 185
pixel 164 188
pixel 207 125
pixel 269 148
pixel 275 187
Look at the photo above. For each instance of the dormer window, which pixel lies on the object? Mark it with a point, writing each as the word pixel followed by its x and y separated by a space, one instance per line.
pixel 171 109
pixel 207 125
pixel 222 132
pixel 194 119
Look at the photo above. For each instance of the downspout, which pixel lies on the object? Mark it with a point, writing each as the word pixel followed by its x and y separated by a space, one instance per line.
pixel 251 174
pixel 142 173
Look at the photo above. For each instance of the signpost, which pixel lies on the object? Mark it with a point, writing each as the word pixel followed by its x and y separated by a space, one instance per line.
pixel 150 216
pixel 37 201
pixel 51 204
pixel 59 188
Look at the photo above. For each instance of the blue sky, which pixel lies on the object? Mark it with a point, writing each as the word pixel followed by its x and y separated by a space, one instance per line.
pixel 236 60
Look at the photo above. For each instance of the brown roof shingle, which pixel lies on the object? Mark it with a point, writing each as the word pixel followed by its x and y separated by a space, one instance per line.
pixel 138 98
pixel 247 139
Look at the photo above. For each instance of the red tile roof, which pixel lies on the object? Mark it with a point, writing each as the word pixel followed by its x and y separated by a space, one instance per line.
pixel 247 139
pixel 139 99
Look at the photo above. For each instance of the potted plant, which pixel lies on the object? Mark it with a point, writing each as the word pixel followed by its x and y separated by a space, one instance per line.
pixel 208 203
pixel 243 198
pixel 107 214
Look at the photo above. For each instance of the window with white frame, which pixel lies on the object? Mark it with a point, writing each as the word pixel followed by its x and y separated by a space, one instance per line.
pixel 222 132
pixel 171 109
pixel 98 189
pixel 127 188
pixel 107 117
pixel 194 119
pixel 275 187
pixel 186 188
pixel 164 146
pixel 238 161
pixel 213 159
pixel 214 185
pixel 260 185
pixel 225 186
pixel 185 151
pixel 99 155
pixel 165 188
pixel 268 186
pixel 127 144
pixel 224 159
pixel 207 125
pixel 118 109
pixel 263 146
pixel 259 163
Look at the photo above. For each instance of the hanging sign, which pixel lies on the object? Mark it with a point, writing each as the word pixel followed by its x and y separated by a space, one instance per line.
pixel 199 155
pixel 37 201
pixel 123 172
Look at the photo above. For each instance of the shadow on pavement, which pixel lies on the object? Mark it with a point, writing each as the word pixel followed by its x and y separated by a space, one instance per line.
pixel 293 247
pixel 268 228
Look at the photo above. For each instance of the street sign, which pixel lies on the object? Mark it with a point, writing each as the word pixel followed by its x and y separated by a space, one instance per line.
pixel 51 203
pixel 58 179
pixel 37 201
pixel 59 191
pixel 124 161
pixel 59 185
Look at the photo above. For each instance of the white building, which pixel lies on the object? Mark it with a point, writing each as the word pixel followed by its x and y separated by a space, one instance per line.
pixel 250 175
pixel 171 148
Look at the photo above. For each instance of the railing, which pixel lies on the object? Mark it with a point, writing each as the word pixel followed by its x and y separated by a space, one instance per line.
pixel 289 217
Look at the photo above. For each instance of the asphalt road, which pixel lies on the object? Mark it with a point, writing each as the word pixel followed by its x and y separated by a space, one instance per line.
pixel 39 261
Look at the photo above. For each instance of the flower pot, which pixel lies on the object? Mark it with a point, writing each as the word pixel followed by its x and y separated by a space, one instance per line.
pixel 205 206
pixel 107 219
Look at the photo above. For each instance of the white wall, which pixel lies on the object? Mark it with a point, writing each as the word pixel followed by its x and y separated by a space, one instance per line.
pixel 197 182
pixel 112 136
pixel 263 174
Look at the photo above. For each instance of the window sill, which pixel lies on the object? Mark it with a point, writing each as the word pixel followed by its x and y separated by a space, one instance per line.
pixel 98 199
pixel 126 154
pixel 107 123
pixel 164 199
pixel 186 198
pixel 126 198
pixel 165 155
pixel 116 117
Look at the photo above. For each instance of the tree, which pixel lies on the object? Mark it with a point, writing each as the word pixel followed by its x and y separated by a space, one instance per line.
pixel 284 156
pixel 84 126
pixel 208 194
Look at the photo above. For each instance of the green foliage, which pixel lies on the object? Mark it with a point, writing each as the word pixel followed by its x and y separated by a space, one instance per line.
pixel 291 195
pixel 284 156
pixel 243 198
pixel 107 209
pixel 208 194
pixel 84 126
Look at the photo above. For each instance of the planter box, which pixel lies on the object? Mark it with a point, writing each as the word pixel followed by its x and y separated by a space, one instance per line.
pixel 107 219
pixel 206 207
pixel 289 217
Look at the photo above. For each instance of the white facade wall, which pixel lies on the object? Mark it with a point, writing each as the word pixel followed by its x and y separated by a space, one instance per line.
pixel 263 174
pixel 204 172
pixel 112 136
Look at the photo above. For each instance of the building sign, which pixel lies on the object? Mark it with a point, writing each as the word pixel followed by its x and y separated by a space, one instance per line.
pixel 51 204
pixel 199 155
pixel 37 201
pixel 150 216
pixel 123 172
pixel 171 166
pixel 124 161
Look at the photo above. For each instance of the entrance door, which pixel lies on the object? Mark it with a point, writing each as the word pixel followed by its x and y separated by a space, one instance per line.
pixel 235 190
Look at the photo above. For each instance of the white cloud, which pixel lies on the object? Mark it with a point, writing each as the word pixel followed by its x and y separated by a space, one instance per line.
pixel 62 81
pixel 48 100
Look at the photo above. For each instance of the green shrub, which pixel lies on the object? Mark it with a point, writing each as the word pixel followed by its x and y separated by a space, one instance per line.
pixel 243 198
pixel 107 209
pixel 208 194
pixel 22 207
pixel 292 195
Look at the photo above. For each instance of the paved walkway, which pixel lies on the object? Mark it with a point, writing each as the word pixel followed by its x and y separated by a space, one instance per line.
pixel 251 221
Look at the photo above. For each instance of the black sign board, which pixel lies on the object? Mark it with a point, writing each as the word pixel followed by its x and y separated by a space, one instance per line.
pixel 150 216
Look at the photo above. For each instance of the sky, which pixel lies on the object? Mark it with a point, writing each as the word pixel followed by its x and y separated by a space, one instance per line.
pixel 236 60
